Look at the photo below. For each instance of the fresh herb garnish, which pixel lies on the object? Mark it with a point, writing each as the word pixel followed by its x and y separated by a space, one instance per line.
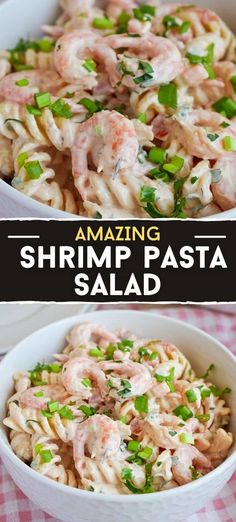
pixel 168 95
pixel 141 404
pixel 208 371
pixel 183 411
pixel 169 379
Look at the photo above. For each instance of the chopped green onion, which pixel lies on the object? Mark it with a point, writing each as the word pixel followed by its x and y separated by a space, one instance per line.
pixel 157 155
pixel 170 23
pixel 203 418
pixel 227 106
pixel 191 396
pixel 42 99
pixel 210 71
pixel 125 345
pixel 90 65
pixel 86 382
pixel 175 165
pixel 91 105
pixel 110 352
pixel 225 125
pixel 62 109
pixel 186 438
pixel 46 46
pixel 141 15
pixel 39 394
pixel 55 368
pixel 206 60
pixel 46 414
pixel 126 474
pixel 143 79
pixel 143 117
pixel 143 352
pixel 126 388
pixel 229 143
pixel 133 445
pixel 194 472
pixel 66 413
pixel 22 83
pixel 38 448
pixel 141 404
pixel 168 95
pixel 194 179
pixel 124 419
pixel 209 369
pixel 123 21
pixel 169 379
pixel 217 392
pixel 87 410
pixel 183 411
pixel 33 110
pixel 102 23
pixel 156 173
pixel 205 392
pixel 213 137
pixel 33 169
pixel 153 356
pixel 95 352
pixel 147 194
pixel 46 455
pixel 184 27
pixel 233 82
pixel 153 212
pixel 21 159
pixel 172 433
pixel 146 67
pixel 145 453
pixel 53 406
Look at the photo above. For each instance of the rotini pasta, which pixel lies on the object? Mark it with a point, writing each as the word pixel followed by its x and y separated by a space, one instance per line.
pixel 117 414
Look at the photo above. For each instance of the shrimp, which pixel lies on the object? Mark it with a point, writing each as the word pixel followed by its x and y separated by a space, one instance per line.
pixel 38 396
pixel 76 370
pixel 99 436
pixel 187 456
pixel 224 190
pixel 82 334
pixel 139 376
pixel 36 81
pixel 195 130
pixel 163 56
pixel 71 51
pixel 74 48
pixel 110 140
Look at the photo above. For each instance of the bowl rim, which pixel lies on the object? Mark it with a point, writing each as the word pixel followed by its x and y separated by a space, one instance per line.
pixel 146 497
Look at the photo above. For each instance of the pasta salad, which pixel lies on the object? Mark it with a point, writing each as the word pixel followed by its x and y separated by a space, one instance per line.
pixel 116 414
pixel 124 110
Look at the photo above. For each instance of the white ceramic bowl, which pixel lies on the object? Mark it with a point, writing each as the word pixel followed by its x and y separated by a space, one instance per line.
pixel 74 505
pixel 14 26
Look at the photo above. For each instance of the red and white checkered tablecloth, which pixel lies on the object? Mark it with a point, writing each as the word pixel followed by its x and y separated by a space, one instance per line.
pixel 15 507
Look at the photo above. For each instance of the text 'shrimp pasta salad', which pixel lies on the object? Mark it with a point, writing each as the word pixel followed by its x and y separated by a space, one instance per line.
pixel 125 111
pixel 118 414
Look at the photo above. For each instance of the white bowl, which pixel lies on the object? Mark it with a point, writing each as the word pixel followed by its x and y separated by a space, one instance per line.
pixel 75 505
pixel 14 26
